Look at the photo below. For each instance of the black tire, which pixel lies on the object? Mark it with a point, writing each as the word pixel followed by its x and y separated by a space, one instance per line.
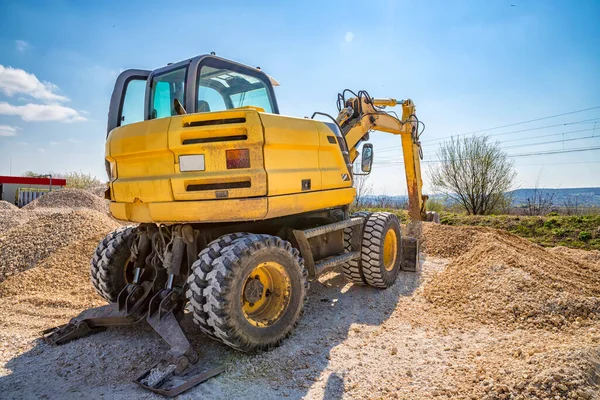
pixel 196 282
pixel 227 283
pixel 372 253
pixel 352 270
pixel 108 268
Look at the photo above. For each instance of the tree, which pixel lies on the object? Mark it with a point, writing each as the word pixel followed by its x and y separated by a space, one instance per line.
pixel 474 172
pixel 363 190
pixel 540 201
pixel 78 180
pixel 572 204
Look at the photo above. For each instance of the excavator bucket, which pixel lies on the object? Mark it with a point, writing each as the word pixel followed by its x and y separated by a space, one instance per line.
pixel 410 254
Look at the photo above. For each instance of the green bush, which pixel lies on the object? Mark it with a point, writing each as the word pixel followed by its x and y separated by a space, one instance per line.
pixel 552 214
pixel 584 236
pixel 435 205
pixel 559 232
pixel 551 223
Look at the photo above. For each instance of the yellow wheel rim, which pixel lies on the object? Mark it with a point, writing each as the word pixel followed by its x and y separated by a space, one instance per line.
pixel 266 294
pixel 390 249
pixel 128 271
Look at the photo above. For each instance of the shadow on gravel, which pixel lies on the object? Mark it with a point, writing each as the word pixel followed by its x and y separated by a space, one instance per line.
pixel 104 365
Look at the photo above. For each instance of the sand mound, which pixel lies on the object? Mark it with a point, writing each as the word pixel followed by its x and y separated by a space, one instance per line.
pixel 69 198
pixel 499 277
pixel 24 245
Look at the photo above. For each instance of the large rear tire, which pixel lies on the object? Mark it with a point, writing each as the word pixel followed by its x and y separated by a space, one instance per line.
pixel 256 292
pixel 381 253
pixel 110 268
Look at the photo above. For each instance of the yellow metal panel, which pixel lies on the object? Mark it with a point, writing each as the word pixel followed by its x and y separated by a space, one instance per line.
pixel 215 153
pixel 309 201
pixel 192 211
pixel 291 153
pixel 144 162
pixel 331 160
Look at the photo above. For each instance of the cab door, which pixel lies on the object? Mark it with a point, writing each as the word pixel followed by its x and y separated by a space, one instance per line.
pixel 127 103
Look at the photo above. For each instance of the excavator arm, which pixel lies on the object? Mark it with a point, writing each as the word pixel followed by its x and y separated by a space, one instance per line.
pixel 361 114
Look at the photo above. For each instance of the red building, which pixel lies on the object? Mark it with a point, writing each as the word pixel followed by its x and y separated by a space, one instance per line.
pixel 20 190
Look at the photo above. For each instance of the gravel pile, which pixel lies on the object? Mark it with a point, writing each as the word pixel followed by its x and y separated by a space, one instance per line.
pixel 501 278
pixel 6 206
pixel 22 246
pixel 69 198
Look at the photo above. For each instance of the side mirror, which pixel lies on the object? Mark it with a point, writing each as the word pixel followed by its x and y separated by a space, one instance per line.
pixel 367 158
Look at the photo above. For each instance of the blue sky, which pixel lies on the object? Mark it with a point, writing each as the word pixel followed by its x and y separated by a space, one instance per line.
pixel 468 66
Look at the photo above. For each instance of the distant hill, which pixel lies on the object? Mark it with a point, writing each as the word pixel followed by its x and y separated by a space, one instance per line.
pixel 588 197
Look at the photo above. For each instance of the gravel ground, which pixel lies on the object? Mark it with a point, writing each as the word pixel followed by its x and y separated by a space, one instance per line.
pixel 411 341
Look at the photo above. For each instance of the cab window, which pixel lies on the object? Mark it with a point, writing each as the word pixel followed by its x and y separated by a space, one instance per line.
pixel 165 89
pixel 224 89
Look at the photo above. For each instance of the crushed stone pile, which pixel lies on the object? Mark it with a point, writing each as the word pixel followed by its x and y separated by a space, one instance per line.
pixel 69 198
pixel 11 218
pixel 497 277
pixel 98 190
pixel 5 205
pixel 24 245
pixel 53 292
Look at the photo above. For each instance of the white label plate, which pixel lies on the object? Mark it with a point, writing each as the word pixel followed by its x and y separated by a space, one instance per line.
pixel 194 162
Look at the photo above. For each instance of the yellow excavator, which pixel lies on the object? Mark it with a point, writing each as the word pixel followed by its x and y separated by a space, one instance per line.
pixel 236 208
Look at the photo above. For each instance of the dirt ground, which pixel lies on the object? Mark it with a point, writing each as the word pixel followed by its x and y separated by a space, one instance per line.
pixel 448 331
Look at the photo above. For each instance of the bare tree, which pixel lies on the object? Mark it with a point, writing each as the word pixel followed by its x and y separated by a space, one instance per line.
pixel 474 172
pixel 572 204
pixel 541 201
pixel 363 190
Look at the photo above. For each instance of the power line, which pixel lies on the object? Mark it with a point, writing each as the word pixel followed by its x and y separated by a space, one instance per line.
pixel 530 154
pixel 532 120
pixel 436 141
pixel 533 137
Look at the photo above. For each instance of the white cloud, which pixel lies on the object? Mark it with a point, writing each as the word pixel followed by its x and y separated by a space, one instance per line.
pixel 349 36
pixel 73 140
pixel 53 143
pixel 41 112
pixel 22 45
pixel 23 143
pixel 17 81
pixel 7 130
pixel 41 150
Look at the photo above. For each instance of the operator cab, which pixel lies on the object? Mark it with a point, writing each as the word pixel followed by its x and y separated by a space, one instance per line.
pixel 201 84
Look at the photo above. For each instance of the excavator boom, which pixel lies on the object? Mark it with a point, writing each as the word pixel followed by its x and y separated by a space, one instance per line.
pixel 362 114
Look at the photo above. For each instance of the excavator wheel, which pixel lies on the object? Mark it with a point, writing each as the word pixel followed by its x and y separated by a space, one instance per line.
pixel 352 270
pixel 256 292
pixel 111 268
pixel 381 250
pixel 197 281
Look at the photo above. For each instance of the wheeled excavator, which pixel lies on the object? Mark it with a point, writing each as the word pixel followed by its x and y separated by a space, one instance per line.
pixel 236 209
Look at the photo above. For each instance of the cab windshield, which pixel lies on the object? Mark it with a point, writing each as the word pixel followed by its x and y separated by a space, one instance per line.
pixel 223 89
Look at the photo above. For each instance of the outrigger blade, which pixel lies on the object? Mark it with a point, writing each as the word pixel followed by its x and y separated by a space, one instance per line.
pixel 161 378
pixel 178 370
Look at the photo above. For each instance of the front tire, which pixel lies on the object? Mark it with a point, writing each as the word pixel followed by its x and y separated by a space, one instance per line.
pixel 381 254
pixel 256 292
pixel 111 268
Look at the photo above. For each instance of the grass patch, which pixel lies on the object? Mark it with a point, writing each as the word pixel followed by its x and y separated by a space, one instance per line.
pixel 579 231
